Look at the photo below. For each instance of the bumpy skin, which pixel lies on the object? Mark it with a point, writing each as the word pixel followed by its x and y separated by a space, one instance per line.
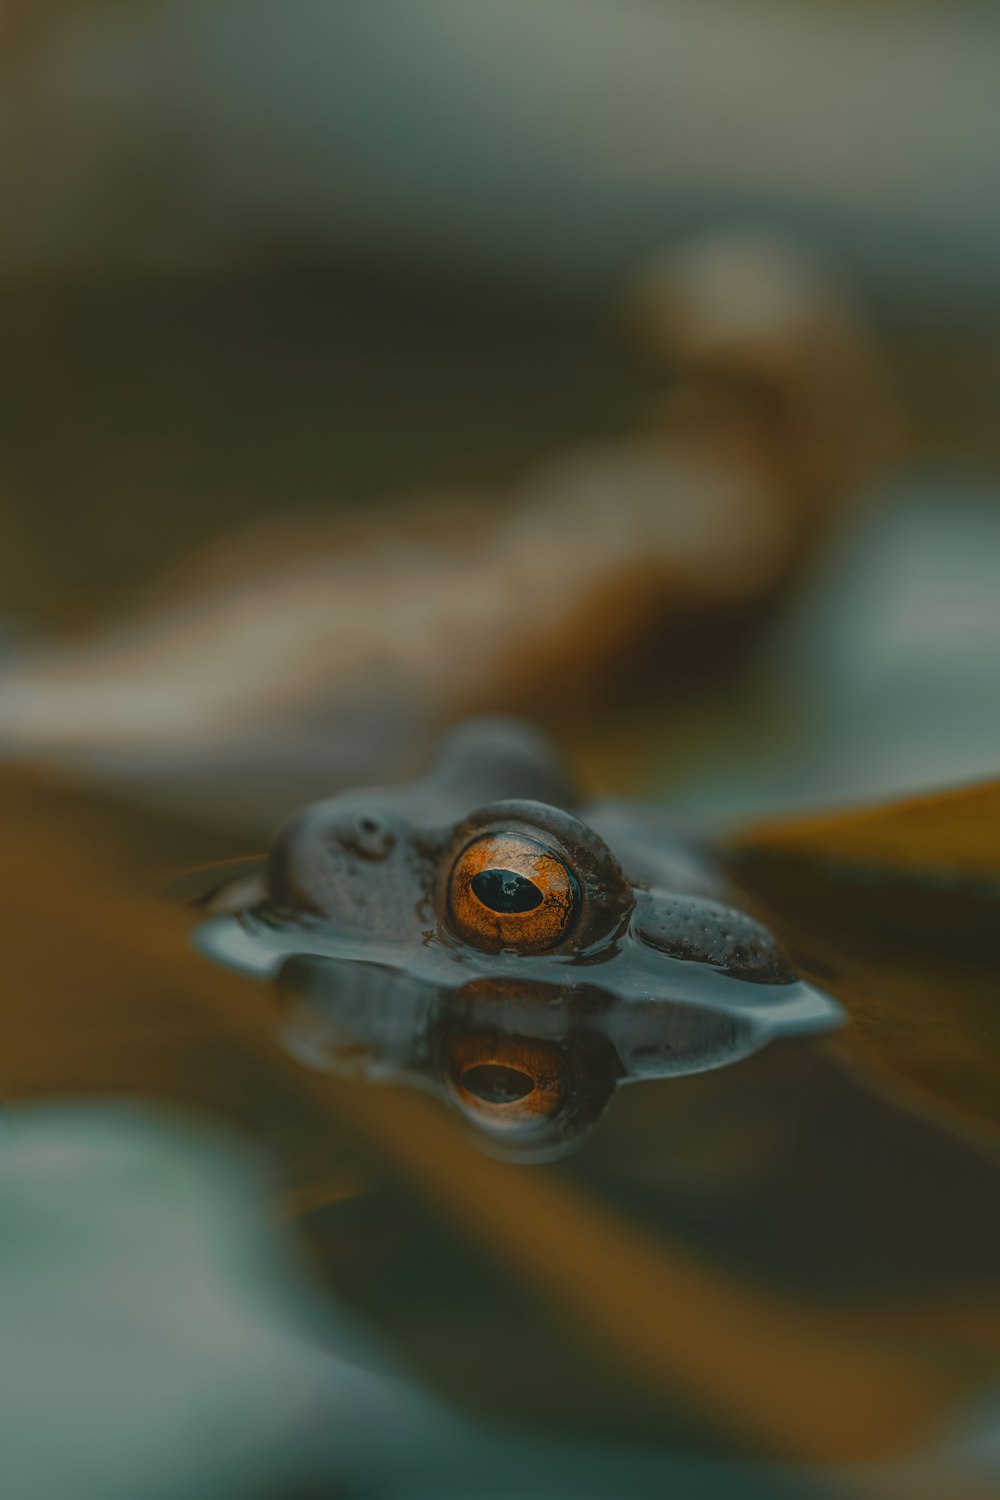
pixel 614 952
pixel 371 862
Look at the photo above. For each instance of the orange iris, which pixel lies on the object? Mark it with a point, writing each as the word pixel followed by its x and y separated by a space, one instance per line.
pixel 506 891
pixel 505 1082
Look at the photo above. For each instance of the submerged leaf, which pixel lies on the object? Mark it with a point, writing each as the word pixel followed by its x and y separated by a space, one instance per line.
pixel 897 910
pixel 949 838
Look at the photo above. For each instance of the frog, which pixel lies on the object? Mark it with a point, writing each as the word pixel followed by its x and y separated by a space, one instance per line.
pixel 489 935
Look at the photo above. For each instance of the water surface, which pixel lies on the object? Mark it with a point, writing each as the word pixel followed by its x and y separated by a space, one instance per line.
pixel 793 1257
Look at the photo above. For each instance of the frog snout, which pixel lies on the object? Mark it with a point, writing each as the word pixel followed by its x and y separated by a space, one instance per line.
pixel 293 867
pixel 325 862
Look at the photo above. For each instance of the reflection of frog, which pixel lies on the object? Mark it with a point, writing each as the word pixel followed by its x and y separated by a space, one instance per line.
pixel 469 932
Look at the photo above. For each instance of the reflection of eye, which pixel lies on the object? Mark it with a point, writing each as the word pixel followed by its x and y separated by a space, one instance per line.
pixel 495 1084
pixel 506 891
pixel 505 1083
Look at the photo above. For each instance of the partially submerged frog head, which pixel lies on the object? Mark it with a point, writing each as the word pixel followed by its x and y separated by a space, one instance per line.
pixel 479 932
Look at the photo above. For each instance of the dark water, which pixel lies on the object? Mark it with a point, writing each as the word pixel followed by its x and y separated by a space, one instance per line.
pixel 795 1257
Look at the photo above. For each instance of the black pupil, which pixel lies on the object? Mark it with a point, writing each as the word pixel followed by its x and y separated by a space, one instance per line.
pixel 506 891
pixel 495 1084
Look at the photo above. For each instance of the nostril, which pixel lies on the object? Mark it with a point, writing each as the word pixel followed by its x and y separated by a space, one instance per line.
pixel 368 836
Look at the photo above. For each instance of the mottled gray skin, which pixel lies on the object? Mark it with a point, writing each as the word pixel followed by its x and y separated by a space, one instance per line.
pixel 657 973
pixel 374 863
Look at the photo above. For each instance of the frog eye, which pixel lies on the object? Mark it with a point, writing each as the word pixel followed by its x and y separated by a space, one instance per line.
pixel 507 891
pixel 507 1084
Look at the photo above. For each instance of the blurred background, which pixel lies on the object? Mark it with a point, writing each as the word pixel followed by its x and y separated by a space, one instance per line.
pixel 630 364
pixel 262 269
